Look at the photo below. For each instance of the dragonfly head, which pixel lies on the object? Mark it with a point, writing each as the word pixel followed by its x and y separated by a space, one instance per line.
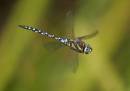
pixel 87 49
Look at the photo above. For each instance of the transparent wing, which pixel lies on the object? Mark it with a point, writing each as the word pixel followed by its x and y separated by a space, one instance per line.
pixel 73 59
pixel 53 46
pixel 75 64
pixel 89 35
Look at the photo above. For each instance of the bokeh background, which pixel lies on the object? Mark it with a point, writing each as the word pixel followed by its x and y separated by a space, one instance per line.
pixel 31 62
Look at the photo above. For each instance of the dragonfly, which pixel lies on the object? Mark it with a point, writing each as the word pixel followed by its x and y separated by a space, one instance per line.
pixel 76 44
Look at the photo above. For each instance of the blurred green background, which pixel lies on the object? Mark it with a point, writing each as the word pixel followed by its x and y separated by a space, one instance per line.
pixel 30 62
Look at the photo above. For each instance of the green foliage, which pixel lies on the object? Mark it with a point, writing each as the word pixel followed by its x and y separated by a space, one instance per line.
pixel 27 65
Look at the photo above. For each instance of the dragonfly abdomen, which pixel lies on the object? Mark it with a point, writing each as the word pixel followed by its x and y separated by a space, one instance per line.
pixel 37 31
pixel 60 39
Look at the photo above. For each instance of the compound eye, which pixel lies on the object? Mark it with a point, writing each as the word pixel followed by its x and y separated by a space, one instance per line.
pixel 87 50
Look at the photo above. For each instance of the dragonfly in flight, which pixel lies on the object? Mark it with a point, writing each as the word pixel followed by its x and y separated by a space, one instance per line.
pixel 76 44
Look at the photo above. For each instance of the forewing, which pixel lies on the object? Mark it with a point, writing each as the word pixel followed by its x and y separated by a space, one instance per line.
pixel 89 35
